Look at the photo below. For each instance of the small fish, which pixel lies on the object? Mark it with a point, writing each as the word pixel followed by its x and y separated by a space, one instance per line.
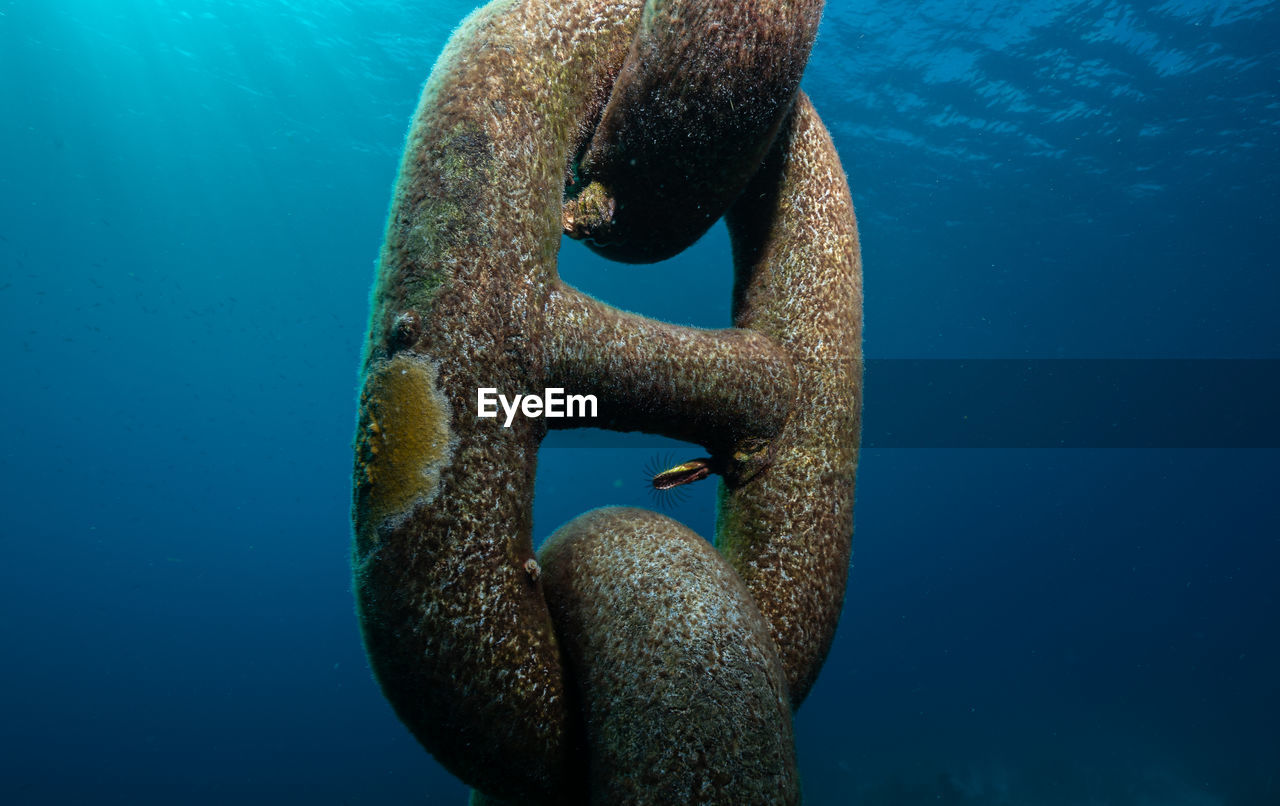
pixel 666 483
pixel 686 473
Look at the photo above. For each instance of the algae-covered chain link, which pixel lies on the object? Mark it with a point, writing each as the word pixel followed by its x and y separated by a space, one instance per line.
pixel 556 679
pixel 698 102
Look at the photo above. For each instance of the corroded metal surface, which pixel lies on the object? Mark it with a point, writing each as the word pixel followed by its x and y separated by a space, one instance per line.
pixel 682 693
pixel 452 602
pixel 788 529
pixel 659 169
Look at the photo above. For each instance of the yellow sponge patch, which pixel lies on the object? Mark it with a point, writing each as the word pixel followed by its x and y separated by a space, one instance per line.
pixel 403 442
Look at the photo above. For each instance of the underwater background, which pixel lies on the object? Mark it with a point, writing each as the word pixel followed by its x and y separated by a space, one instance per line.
pixel 192 196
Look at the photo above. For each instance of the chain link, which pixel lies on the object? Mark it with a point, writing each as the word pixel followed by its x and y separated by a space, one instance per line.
pixel 630 662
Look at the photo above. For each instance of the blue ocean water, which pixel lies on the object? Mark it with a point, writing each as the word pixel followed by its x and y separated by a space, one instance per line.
pixel 192 195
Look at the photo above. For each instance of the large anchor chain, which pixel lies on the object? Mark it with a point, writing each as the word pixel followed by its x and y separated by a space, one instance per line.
pixel 630 662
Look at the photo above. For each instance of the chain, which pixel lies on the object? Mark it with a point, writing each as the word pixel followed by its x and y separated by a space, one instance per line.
pixel 630 662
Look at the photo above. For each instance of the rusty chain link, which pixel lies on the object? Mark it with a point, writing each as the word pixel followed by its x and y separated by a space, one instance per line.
pixel 631 662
